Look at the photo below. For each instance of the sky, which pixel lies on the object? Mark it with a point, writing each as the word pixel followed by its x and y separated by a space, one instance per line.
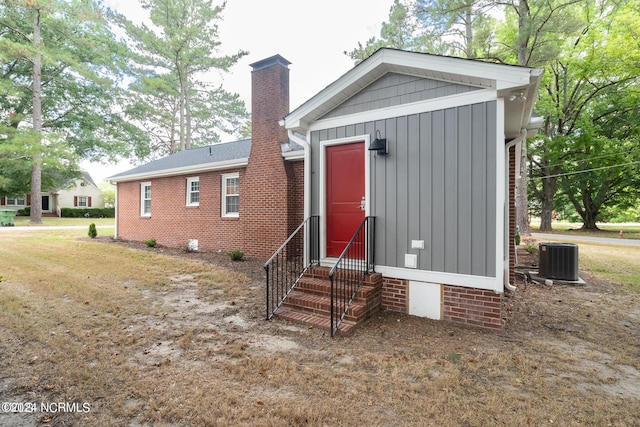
pixel 312 35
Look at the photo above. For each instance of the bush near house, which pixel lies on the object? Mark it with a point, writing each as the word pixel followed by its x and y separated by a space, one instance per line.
pixel 77 213
pixel 93 212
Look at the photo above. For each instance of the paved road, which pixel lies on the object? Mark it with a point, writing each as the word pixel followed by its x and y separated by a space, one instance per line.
pixel 574 238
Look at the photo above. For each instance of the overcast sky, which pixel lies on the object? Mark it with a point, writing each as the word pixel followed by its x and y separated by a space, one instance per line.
pixel 312 35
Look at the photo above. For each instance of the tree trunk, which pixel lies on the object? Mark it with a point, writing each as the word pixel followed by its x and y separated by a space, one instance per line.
pixel 182 107
pixel 35 216
pixel 187 111
pixel 589 221
pixel 522 198
pixel 548 191
pixel 469 33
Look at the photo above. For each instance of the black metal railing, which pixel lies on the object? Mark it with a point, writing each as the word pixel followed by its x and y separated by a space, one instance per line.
pixel 287 265
pixel 353 265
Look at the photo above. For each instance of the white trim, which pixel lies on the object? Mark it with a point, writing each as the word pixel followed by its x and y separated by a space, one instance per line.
pixel 223 193
pixel 436 104
pixel 115 209
pixel 189 192
pixel 205 167
pixel 142 198
pixel 293 155
pixel 453 279
pixel 322 202
pixel 458 70
pixel 501 195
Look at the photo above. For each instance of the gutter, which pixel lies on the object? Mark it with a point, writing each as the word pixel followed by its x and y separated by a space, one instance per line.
pixel 507 147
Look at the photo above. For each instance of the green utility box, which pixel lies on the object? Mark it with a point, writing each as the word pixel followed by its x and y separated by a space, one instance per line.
pixel 6 217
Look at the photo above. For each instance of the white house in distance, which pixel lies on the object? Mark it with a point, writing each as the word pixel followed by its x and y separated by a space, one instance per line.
pixel 76 193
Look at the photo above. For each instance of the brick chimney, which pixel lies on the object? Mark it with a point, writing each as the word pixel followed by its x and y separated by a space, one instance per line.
pixel 264 201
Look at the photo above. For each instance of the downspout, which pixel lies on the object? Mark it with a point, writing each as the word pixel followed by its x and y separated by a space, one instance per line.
pixel 307 169
pixel 306 185
pixel 507 147
pixel 115 208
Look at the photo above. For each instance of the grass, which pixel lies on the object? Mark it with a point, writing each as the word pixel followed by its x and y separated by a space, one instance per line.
pixel 55 221
pixel 148 339
pixel 629 230
pixel 616 263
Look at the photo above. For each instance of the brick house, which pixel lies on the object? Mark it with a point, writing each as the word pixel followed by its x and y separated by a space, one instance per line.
pixel 419 150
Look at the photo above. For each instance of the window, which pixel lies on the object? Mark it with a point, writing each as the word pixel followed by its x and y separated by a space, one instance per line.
pixel 193 191
pixel 16 201
pixel 145 199
pixel 231 194
pixel 82 201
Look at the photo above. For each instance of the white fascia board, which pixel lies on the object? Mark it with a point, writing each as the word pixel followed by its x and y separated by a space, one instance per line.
pixel 453 279
pixel 505 76
pixel 467 98
pixel 293 155
pixel 205 167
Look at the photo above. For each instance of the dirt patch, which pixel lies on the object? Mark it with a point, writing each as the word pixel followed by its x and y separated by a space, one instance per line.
pixel 187 349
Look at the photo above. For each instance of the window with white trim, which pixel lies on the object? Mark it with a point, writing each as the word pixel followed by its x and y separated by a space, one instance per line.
pixel 82 202
pixel 16 201
pixel 145 199
pixel 193 191
pixel 231 195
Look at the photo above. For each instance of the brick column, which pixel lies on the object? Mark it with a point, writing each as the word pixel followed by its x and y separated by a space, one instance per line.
pixel 264 208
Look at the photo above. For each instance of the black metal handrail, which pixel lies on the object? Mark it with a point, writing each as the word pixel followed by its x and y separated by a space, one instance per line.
pixel 287 265
pixel 353 265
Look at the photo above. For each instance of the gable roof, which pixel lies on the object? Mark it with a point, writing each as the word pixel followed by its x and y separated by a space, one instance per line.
pixel 201 159
pixel 505 79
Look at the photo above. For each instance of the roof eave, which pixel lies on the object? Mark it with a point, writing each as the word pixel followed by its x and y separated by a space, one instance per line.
pixel 185 170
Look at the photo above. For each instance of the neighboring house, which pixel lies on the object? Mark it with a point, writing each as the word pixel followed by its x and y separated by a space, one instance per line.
pixel 76 193
pixel 441 192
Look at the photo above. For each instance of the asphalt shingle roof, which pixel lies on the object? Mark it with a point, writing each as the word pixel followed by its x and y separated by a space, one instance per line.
pixel 193 157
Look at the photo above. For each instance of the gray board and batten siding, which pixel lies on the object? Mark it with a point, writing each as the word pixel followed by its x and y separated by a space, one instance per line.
pixel 396 89
pixel 437 184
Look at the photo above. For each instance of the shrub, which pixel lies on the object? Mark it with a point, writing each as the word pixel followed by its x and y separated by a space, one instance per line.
pixel 92 231
pixel 531 249
pixel 151 243
pixel 88 213
pixel 235 255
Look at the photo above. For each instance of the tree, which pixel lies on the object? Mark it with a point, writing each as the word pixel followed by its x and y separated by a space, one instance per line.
pixel 170 97
pixel 464 28
pixel 595 80
pixel 455 27
pixel 589 51
pixel 535 33
pixel 59 65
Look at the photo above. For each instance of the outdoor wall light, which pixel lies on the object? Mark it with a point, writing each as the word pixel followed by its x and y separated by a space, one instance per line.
pixel 379 145
pixel 519 96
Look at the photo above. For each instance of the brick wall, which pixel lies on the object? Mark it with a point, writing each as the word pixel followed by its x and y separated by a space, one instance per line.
pixel 264 216
pixel 172 223
pixel 475 307
pixel 468 306
pixel 394 294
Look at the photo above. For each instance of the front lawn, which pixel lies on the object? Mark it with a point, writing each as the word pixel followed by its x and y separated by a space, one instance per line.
pixel 165 337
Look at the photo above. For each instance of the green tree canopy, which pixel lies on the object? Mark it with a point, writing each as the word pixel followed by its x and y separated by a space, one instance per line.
pixel 170 97
pixel 81 68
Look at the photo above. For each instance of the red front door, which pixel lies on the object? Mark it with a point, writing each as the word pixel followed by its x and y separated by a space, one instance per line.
pixel 345 194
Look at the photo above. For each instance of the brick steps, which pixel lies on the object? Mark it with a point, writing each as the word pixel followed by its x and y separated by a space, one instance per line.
pixel 310 301
pixel 313 320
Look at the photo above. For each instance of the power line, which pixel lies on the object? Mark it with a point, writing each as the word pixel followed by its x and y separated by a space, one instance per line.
pixel 586 170
pixel 597 157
